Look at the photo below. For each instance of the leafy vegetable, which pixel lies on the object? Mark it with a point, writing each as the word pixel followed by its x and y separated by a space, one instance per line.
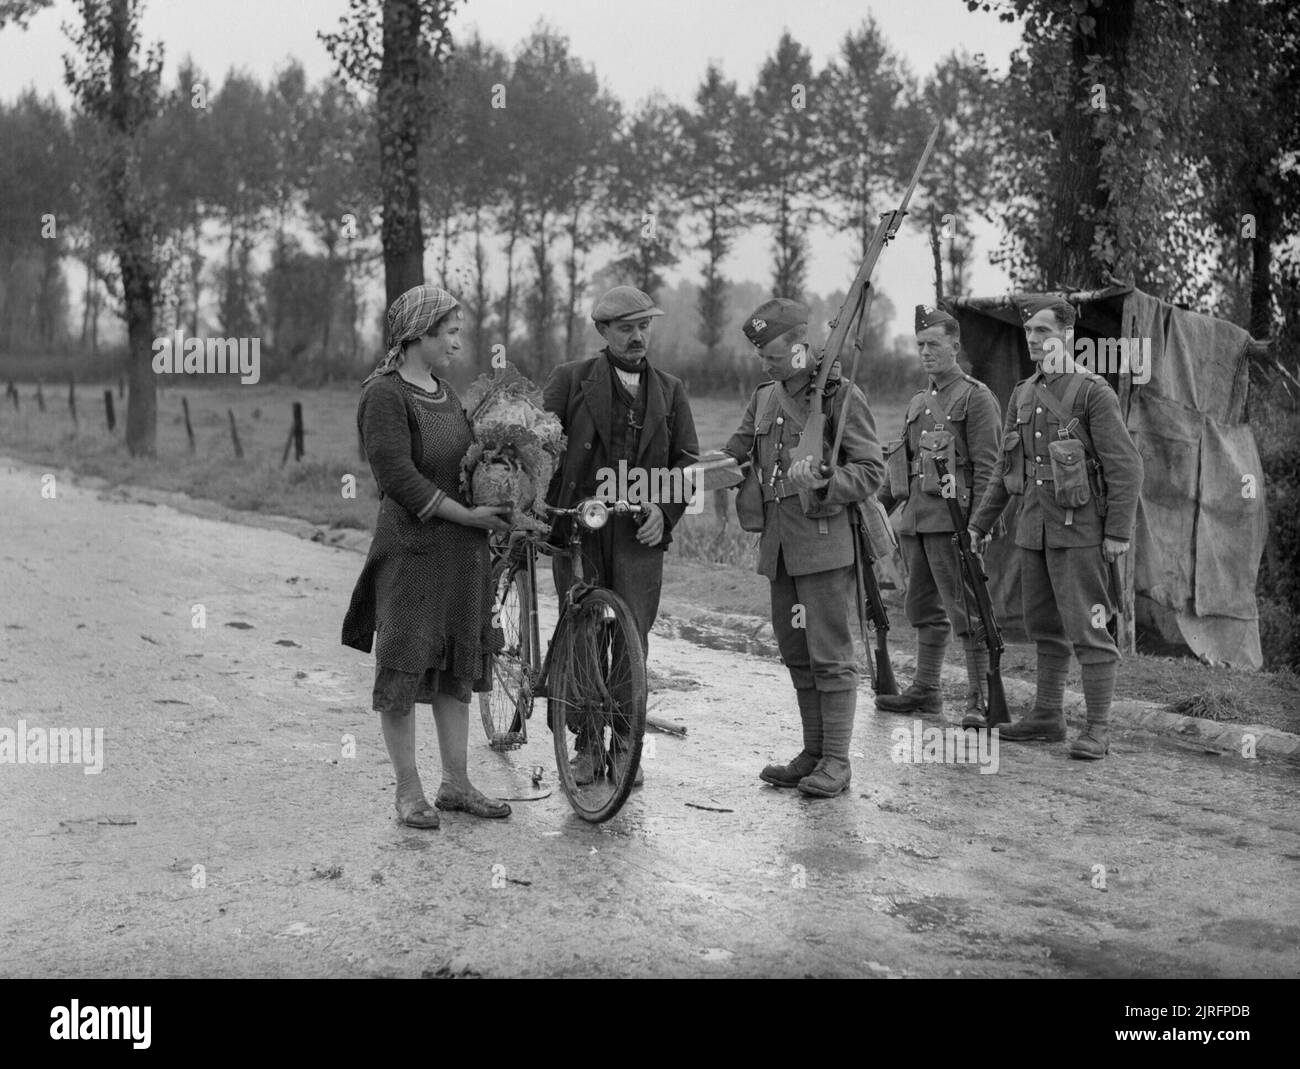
pixel 517 445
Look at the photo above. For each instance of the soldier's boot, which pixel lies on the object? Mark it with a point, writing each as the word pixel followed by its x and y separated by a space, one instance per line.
pixel 977 670
pixel 810 713
pixel 1098 689
pixel 922 695
pixel 833 772
pixel 1046 720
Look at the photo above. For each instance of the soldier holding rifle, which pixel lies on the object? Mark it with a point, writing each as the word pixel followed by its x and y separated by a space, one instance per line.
pixel 955 416
pixel 807 545
pixel 1068 458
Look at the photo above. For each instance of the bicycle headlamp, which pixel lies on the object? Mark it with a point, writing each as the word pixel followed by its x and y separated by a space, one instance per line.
pixel 593 514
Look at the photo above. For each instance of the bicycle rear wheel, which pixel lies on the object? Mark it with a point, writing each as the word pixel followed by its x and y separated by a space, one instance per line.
pixel 506 707
pixel 597 688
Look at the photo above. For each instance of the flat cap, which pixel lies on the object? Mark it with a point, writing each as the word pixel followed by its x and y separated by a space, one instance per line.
pixel 1064 310
pixel 773 318
pixel 928 315
pixel 624 302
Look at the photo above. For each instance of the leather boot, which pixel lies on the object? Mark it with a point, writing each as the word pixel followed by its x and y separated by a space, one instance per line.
pixel 1036 727
pixel 915 699
pixel 1092 744
pixel 810 714
pixel 1046 721
pixel 923 695
pixel 833 772
pixel 1098 690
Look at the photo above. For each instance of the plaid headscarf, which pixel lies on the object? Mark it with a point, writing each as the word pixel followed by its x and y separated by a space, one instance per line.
pixel 411 316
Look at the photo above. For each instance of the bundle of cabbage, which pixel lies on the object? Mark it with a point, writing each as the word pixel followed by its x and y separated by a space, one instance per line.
pixel 517 446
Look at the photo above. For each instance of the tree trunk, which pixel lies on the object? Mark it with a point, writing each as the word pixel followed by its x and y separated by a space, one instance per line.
pixel 479 325
pixel 132 241
pixel 402 234
pixel 1261 280
pixel 508 298
pixel 1079 198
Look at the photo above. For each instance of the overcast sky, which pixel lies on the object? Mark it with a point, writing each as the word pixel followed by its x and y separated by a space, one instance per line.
pixel 636 48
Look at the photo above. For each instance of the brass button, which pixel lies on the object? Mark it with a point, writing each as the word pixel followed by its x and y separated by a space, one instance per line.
pixel 1037 434
pixel 1038 459
pixel 927 411
pixel 1039 481
pixel 1037 409
pixel 780 420
pixel 586 445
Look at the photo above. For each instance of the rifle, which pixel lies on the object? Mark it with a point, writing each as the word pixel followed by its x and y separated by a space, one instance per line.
pixel 869 599
pixel 853 311
pixel 973 567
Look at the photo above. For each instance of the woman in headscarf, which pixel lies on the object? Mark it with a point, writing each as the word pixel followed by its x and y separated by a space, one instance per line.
pixel 424 588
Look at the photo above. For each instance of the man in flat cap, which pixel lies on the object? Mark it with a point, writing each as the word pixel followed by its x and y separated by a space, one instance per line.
pixel 808 557
pixel 615 407
pixel 957 417
pixel 1068 459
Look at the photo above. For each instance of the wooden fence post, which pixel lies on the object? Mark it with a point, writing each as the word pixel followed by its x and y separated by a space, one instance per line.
pixel 72 398
pixel 108 410
pixel 297 430
pixel 234 434
pixel 189 429
pixel 40 395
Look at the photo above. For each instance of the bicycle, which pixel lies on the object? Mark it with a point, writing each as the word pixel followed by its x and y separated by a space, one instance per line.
pixel 592 677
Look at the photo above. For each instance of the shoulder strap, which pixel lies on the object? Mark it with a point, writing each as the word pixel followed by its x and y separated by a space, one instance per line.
pixel 1064 411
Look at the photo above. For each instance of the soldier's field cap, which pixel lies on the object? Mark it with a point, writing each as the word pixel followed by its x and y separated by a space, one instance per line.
pixel 1064 310
pixel 927 315
pixel 773 318
pixel 624 302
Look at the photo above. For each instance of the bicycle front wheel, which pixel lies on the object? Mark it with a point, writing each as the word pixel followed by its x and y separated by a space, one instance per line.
pixel 506 707
pixel 597 688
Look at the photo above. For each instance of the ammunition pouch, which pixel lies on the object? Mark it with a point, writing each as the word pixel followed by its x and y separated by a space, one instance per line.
pixel 1013 463
pixel 1070 475
pixel 896 467
pixel 938 442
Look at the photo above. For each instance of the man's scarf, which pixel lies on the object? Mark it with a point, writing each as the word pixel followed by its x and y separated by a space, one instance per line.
pixel 624 364
pixel 411 316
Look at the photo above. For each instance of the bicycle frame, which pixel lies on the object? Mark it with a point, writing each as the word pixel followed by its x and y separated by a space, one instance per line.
pixel 582 514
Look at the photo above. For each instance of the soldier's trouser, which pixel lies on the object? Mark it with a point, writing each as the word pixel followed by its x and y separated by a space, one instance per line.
pixel 934 588
pixel 819 653
pixel 1065 594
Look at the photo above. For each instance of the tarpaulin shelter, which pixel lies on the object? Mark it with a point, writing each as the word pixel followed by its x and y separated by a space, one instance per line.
pixel 1201 524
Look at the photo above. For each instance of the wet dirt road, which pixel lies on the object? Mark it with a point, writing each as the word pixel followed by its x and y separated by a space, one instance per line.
pixel 224 747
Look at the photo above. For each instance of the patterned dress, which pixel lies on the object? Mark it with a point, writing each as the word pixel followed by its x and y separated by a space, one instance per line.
pixel 424 590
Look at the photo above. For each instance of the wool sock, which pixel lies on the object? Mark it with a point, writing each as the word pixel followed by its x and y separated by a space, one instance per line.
pixel 977 669
pixel 1049 699
pixel 929 660
pixel 810 712
pixel 1098 690
pixel 838 707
